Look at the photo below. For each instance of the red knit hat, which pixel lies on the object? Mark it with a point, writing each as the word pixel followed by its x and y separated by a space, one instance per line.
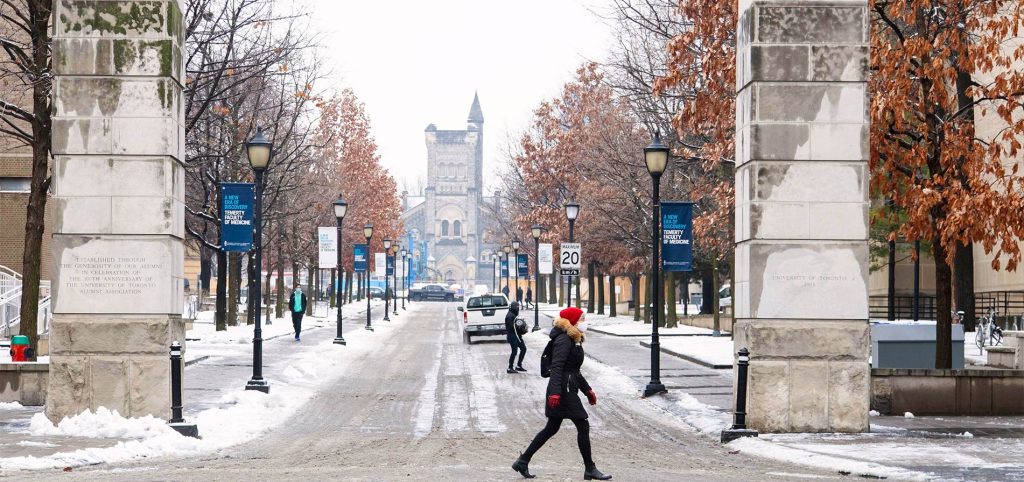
pixel 572 314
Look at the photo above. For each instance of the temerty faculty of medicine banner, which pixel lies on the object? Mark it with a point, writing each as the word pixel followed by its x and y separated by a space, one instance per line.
pixel 236 215
pixel 359 258
pixel 677 235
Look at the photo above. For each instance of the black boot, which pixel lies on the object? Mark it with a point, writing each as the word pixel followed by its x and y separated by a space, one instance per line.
pixel 522 466
pixel 510 370
pixel 591 473
pixel 520 368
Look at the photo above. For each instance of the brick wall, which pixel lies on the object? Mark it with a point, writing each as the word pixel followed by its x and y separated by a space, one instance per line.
pixel 12 218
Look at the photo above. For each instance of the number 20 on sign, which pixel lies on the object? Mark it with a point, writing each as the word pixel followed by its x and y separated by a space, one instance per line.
pixel 570 259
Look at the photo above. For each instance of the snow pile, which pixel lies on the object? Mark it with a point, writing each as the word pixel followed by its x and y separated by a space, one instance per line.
pixel 29 443
pixel 873 413
pixel 10 406
pixel 767 449
pixel 908 415
pixel 103 423
pixel 965 435
pixel 239 416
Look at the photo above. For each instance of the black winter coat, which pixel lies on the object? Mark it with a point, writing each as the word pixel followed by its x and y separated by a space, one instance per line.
pixel 566 379
pixel 510 323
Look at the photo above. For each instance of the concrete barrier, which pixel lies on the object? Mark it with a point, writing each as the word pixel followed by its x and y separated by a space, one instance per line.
pixel 24 383
pixel 895 391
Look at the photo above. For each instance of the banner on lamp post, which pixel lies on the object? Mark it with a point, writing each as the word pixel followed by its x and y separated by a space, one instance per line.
pixel 236 214
pixel 359 258
pixel 391 266
pixel 379 264
pixel 677 235
pixel 504 268
pixel 328 240
pixel 523 265
pixel 544 256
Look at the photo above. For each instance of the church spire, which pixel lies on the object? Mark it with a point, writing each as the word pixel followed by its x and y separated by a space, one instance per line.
pixel 476 115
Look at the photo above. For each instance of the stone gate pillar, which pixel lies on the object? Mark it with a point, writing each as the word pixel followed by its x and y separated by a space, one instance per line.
pixel 117 205
pixel 801 213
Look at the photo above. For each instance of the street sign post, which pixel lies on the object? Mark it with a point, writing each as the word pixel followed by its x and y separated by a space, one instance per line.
pixel 569 259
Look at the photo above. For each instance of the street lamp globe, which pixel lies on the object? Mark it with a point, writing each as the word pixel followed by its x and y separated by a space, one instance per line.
pixel 536 230
pixel 387 244
pixel 404 253
pixel 572 210
pixel 656 156
pixel 368 232
pixel 340 208
pixel 259 148
pixel 515 245
pixel 507 249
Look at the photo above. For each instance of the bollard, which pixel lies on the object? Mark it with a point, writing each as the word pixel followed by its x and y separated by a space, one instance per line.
pixel 739 427
pixel 177 422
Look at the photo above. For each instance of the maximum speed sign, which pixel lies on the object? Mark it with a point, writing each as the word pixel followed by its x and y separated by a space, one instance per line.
pixel 569 259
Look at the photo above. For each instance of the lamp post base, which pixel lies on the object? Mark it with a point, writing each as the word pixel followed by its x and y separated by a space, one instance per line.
pixel 186 429
pixel 728 435
pixel 369 328
pixel 654 389
pixel 258 385
pixel 339 341
pixel 536 328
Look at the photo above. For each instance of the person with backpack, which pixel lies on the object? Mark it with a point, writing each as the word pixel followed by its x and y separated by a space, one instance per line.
pixel 515 338
pixel 561 362
pixel 297 305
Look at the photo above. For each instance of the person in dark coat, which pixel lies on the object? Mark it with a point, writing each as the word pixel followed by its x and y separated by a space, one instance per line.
pixel 563 401
pixel 504 291
pixel 529 297
pixel 519 293
pixel 514 339
pixel 297 305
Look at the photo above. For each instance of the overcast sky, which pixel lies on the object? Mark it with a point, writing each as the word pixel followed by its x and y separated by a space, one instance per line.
pixel 419 62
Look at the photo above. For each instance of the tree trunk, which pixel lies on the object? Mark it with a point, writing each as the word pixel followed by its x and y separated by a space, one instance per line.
pixel 648 308
pixel 252 306
pixel 220 314
pixel 943 300
pixel 717 325
pixel 579 299
pixel 309 285
pixel 590 287
pixel 708 291
pixel 279 295
pixel 552 289
pixel 611 297
pixel 600 293
pixel 204 273
pixel 670 300
pixel 634 290
pixel 266 292
pixel 561 291
pixel 891 291
pixel 686 294
pixel 234 281
pixel 963 258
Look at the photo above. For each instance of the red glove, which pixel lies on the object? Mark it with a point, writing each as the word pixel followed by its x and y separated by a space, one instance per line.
pixel 554 401
pixel 592 397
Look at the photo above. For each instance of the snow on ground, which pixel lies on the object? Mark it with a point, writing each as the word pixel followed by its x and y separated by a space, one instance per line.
pixel 238 417
pixel 636 328
pixel 10 406
pixel 840 462
pixel 711 350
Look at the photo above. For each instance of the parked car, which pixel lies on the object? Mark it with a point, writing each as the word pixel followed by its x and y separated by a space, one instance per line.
pixel 483 315
pixel 725 297
pixel 431 292
pixel 376 292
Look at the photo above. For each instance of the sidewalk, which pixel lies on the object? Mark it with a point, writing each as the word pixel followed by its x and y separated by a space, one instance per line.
pixel 215 400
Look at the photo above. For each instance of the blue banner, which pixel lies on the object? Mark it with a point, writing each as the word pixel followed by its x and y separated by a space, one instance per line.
pixel 504 267
pixel 236 216
pixel 359 258
pixel 523 265
pixel 391 266
pixel 677 235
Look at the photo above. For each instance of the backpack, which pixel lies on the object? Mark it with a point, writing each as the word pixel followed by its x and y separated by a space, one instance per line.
pixel 545 359
pixel 521 326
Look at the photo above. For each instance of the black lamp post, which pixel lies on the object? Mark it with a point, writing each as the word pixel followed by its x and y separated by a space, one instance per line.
pixel 508 263
pixel 572 210
pixel 515 251
pixel 536 231
pixel 495 271
pixel 340 208
pixel 405 278
pixel 656 157
pixel 368 233
pixel 394 275
pixel 387 251
pixel 259 150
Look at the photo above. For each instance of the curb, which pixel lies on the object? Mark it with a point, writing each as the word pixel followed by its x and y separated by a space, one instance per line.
pixel 603 332
pixel 689 358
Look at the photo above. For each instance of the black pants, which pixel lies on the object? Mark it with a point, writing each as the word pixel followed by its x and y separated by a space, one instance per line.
pixel 549 430
pixel 517 344
pixel 297 322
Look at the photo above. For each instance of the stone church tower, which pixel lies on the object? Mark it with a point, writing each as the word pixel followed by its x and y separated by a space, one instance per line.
pixel 448 224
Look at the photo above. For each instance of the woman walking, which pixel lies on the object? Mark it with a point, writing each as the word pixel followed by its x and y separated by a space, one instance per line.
pixel 563 401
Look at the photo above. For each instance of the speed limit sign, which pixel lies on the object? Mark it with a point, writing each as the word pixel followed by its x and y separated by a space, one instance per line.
pixel 569 259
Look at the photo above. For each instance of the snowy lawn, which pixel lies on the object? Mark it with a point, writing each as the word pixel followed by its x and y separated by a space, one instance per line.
pixel 238 416
pixel 711 351
pixel 636 328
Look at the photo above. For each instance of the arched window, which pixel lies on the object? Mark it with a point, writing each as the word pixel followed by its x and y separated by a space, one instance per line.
pixel 462 172
pixel 444 229
pixel 457 229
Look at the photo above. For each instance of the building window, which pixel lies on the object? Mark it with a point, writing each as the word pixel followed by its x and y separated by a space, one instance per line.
pixel 444 229
pixel 15 184
pixel 457 229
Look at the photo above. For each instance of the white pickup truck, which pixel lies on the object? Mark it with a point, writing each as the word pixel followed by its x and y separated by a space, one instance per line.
pixel 483 315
